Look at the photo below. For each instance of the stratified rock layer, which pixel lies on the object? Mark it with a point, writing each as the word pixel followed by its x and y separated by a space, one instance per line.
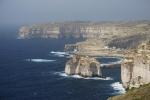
pixel 84 66
pixel 135 69
pixel 96 30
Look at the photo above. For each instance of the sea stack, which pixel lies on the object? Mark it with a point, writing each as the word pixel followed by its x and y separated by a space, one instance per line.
pixel 83 65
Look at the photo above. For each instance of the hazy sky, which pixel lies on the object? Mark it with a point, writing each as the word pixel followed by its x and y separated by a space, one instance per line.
pixel 36 11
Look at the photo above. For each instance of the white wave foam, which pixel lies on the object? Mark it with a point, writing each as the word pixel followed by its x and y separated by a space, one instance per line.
pixel 40 60
pixel 59 54
pixel 111 63
pixel 119 60
pixel 80 77
pixel 117 86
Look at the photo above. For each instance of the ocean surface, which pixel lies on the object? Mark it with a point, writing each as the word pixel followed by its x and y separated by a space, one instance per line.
pixel 34 70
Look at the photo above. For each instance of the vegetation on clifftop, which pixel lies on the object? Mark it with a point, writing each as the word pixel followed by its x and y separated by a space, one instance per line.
pixel 142 93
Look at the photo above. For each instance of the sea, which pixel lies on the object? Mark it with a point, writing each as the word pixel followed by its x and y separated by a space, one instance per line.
pixel 33 69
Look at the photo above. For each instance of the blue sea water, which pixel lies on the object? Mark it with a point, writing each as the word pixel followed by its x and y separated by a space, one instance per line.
pixel 34 70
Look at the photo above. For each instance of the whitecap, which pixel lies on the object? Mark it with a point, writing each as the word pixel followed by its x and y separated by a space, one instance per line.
pixel 99 78
pixel 59 54
pixel 111 63
pixel 63 74
pixel 118 87
pixel 40 60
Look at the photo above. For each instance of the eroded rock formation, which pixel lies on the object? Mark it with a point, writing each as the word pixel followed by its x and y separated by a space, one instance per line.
pixel 135 69
pixel 84 66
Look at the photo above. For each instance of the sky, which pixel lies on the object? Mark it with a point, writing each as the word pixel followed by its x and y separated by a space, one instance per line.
pixel 41 11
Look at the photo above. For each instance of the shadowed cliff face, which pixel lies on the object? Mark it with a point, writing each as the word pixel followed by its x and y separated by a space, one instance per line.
pixel 84 66
pixel 129 42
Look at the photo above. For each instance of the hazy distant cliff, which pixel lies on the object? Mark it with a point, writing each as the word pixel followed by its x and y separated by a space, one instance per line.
pixel 84 29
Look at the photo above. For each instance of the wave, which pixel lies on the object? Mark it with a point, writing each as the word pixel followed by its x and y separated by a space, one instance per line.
pixel 111 63
pixel 40 60
pixel 119 60
pixel 63 74
pixel 59 54
pixel 117 86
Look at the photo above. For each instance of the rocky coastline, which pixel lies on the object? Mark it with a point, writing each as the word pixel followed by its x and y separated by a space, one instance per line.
pixel 127 40
pixel 135 74
pixel 135 66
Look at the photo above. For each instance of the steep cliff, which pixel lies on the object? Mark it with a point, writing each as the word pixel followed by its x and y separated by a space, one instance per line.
pixel 135 74
pixel 84 66
pixel 99 30
pixel 135 69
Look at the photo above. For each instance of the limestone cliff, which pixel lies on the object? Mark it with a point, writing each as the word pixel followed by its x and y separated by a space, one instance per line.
pixel 84 66
pixel 135 69
pixel 85 30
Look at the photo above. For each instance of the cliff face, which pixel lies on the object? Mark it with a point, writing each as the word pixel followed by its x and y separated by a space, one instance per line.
pixel 83 66
pixel 135 69
pixel 129 42
pixel 39 31
pixel 84 30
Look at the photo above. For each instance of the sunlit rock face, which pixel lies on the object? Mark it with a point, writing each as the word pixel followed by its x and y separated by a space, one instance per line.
pixel 135 70
pixel 84 66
